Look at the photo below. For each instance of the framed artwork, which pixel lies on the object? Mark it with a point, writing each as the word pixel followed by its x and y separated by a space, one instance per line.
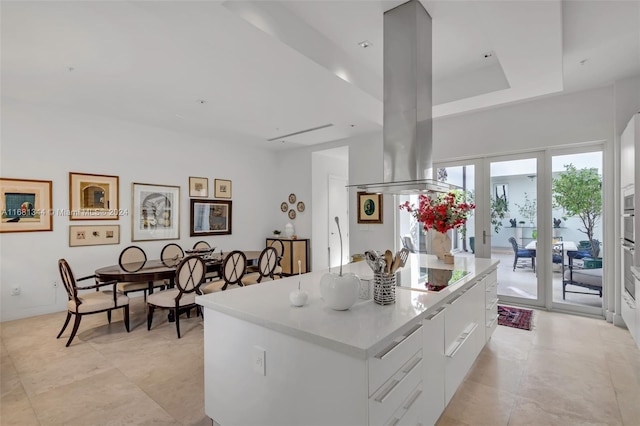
pixel 369 208
pixel 198 187
pixel 25 205
pixel 93 197
pixel 155 212
pixel 210 217
pixel 93 235
pixel 222 188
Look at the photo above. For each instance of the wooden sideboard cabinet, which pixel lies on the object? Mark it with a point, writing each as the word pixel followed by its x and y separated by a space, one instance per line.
pixel 294 250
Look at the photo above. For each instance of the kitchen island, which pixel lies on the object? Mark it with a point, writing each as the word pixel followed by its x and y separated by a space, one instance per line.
pixel 270 363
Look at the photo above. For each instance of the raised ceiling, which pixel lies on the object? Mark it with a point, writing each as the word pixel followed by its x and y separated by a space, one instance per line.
pixel 253 71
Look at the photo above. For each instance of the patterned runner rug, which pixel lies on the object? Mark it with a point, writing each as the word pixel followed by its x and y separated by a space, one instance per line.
pixel 515 317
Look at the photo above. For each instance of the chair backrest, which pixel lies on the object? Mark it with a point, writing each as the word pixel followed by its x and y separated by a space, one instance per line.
pixel 234 267
pixel 514 244
pixel 190 274
pixel 132 258
pixel 200 245
pixel 68 280
pixel 171 252
pixel 407 243
pixel 267 262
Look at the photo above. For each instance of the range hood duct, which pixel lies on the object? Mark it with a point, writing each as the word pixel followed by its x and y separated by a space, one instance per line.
pixel 408 124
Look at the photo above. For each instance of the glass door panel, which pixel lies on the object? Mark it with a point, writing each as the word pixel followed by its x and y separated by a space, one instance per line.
pixel 578 254
pixel 514 228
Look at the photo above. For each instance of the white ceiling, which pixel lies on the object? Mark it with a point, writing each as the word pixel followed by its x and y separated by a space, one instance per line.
pixel 252 71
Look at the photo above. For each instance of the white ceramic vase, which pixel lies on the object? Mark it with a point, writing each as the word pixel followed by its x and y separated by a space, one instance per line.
pixel 441 244
pixel 340 292
pixel 288 230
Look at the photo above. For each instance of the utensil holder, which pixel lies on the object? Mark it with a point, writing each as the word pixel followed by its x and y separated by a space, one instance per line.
pixel 384 288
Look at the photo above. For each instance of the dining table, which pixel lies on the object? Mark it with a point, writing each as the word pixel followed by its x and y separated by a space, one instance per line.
pixel 157 270
pixel 566 245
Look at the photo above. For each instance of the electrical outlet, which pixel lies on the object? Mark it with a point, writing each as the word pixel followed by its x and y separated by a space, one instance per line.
pixel 258 360
pixel 55 284
pixel 15 290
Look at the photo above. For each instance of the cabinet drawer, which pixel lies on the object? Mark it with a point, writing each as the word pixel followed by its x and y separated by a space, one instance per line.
pixel 491 307
pixel 492 278
pixel 460 356
pixel 409 412
pixel 490 326
pixel 491 292
pixel 396 392
pixel 460 312
pixel 389 360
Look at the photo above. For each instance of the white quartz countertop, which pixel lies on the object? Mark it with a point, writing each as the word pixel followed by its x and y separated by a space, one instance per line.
pixel 360 331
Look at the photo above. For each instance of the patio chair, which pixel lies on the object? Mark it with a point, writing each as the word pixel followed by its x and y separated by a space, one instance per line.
pixel 520 253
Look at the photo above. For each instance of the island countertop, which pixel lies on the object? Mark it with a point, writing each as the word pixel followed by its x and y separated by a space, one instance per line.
pixel 360 331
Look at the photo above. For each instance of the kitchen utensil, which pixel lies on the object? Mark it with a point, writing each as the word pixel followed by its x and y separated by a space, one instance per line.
pixel 388 259
pixel 404 255
pixel 396 263
pixel 372 260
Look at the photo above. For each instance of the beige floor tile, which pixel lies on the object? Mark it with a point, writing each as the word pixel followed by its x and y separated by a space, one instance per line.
pixel 532 413
pixel 16 409
pixel 448 421
pixel 477 404
pixel 497 372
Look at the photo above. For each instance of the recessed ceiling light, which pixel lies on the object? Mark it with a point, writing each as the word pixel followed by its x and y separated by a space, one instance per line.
pixel 365 44
pixel 201 101
pixel 71 69
pixel 582 62
pixel 488 55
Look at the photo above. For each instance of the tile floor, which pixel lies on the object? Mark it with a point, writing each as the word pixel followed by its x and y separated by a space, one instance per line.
pixel 568 370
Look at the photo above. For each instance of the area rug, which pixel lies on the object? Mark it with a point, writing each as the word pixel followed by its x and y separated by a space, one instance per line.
pixel 515 317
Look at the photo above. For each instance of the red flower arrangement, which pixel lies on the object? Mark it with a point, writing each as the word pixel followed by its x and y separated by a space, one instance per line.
pixel 446 211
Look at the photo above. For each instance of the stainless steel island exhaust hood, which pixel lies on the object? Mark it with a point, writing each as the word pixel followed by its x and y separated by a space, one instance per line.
pixel 407 124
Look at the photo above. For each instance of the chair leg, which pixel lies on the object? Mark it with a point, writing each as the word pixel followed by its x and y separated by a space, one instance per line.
pixel 126 317
pixel 76 324
pixel 178 322
pixel 533 263
pixel 515 261
pixel 149 316
pixel 109 316
pixel 65 324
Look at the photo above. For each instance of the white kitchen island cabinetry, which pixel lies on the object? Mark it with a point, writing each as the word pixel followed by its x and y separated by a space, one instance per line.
pixel 269 363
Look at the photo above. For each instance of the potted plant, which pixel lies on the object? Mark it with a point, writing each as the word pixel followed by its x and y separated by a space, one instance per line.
pixel 499 210
pixel 529 209
pixel 579 193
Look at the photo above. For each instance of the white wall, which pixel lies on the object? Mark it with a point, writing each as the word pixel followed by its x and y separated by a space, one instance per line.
pixel 43 143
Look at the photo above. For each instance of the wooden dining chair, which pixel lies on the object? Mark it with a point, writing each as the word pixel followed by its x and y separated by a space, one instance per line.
pixel 234 267
pixel 267 264
pixel 277 244
pixel 132 259
pixel 201 245
pixel 89 303
pixel 181 298
pixel 171 252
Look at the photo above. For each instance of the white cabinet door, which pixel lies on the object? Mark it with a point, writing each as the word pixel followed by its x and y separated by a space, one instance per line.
pixel 433 366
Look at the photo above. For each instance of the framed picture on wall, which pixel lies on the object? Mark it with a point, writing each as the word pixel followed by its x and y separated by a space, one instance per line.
pixel 222 188
pixel 369 208
pixel 198 187
pixel 93 235
pixel 25 205
pixel 210 217
pixel 155 212
pixel 93 197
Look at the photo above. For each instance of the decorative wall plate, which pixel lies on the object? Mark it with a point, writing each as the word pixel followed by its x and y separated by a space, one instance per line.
pixel 292 214
pixel 292 198
pixel 300 206
pixel 284 207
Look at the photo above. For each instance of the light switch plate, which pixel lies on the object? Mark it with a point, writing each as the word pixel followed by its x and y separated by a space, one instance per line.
pixel 258 360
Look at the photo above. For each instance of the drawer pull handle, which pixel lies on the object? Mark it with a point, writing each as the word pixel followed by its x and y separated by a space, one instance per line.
pixel 411 366
pixel 413 399
pixel 387 391
pixel 399 340
pixel 394 421
pixel 493 304
pixel 455 299
pixel 493 321
pixel 461 340
pixel 435 314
